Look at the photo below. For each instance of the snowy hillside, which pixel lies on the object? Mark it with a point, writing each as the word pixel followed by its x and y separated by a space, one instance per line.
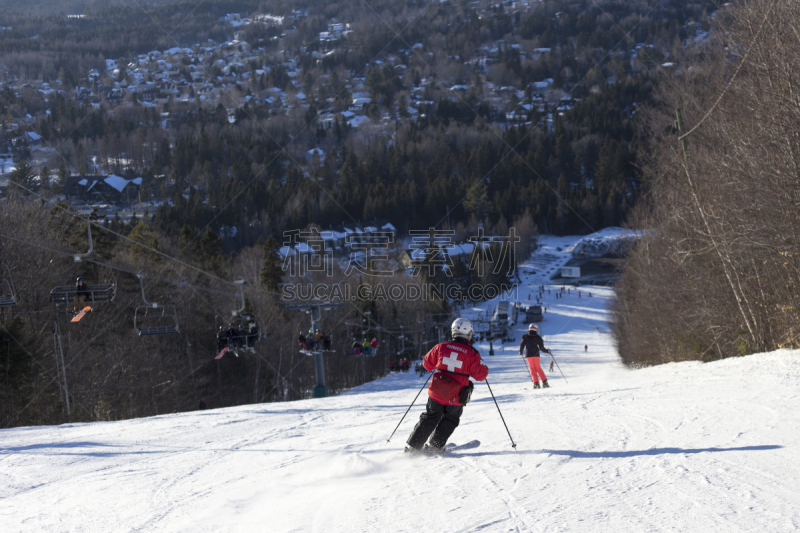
pixel 681 447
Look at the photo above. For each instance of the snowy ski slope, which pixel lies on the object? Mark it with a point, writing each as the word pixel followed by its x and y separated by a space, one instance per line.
pixel 680 447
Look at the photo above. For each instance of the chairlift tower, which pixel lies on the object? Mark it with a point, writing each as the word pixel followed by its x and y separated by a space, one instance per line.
pixel 315 310
pixel 240 292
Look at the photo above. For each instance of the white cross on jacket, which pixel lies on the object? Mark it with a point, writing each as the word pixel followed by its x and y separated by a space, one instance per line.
pixel 452 361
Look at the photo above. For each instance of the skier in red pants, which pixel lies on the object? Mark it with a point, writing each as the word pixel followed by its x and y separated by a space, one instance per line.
pixel 533 344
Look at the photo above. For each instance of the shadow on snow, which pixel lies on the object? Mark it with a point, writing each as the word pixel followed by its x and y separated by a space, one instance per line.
pixel 657 451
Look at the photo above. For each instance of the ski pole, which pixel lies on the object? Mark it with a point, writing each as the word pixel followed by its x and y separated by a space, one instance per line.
pixel 559 369
pixel 409 407
pixel 525 362
pixel 513 444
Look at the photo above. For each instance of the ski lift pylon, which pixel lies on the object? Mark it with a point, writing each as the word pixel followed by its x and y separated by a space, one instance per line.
pixel 154 319
pixel 240 292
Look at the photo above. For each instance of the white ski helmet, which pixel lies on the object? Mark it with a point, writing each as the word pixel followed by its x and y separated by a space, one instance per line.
pixel 533 327
pixel 462 328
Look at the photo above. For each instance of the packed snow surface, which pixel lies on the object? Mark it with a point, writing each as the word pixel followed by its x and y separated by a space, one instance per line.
pixel 679 447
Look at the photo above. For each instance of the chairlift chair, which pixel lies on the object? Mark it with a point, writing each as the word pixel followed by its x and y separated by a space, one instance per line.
pixel 318 350
pixel 154 319
pixel 65 294
pixel 97 293
pixel 237 313
pixel 8 296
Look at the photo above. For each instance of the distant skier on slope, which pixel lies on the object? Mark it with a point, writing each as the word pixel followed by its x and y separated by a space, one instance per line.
pixel 533 344
pixel 455 362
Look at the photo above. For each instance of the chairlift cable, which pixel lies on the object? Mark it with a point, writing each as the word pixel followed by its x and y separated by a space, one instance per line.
pixel 128 271
pixel 166 256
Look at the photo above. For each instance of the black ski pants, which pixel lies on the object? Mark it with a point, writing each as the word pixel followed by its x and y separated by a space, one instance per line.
pixel 439 419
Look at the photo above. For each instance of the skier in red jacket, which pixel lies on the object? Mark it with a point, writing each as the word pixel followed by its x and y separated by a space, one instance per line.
pixel 455 362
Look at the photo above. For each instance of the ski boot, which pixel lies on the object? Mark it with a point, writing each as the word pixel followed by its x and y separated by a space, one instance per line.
pixel 433 450
pixel 411 449
pixel 536 384
pixel 545 385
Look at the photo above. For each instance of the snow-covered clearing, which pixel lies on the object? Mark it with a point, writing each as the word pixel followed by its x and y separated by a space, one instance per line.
pixel 680 447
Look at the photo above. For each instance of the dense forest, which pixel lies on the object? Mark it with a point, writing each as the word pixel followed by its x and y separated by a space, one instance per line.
pixel 571 162
pixel 718 274
pixel 100 369
pixel 572 158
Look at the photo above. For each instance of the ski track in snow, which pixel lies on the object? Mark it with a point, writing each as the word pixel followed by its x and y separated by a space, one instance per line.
pixel 675 448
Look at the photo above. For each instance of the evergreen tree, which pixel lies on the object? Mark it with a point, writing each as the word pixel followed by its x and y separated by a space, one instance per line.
pixel 271 267
pixel 81 160
pixel 23 176
pixel 17 370
pixel 21 151
pixel 44 178
pixel 63 176
pixel 143 234
pixel 477 199
pixel 210 252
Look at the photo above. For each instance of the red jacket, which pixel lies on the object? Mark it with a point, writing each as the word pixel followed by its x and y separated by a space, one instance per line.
pixel 461 360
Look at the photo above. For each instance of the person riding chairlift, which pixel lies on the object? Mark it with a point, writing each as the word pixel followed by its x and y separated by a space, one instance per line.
pixel 81 293
pixel 302 340
pixel 252 334
pixel 222 338
pixel 310 342
pixel 241 336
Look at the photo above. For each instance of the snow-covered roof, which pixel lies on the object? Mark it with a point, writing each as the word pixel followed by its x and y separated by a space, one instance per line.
pixel 460 249
pixel 117 182
pixel 357 121
pixel 303 248
pixel 330 235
